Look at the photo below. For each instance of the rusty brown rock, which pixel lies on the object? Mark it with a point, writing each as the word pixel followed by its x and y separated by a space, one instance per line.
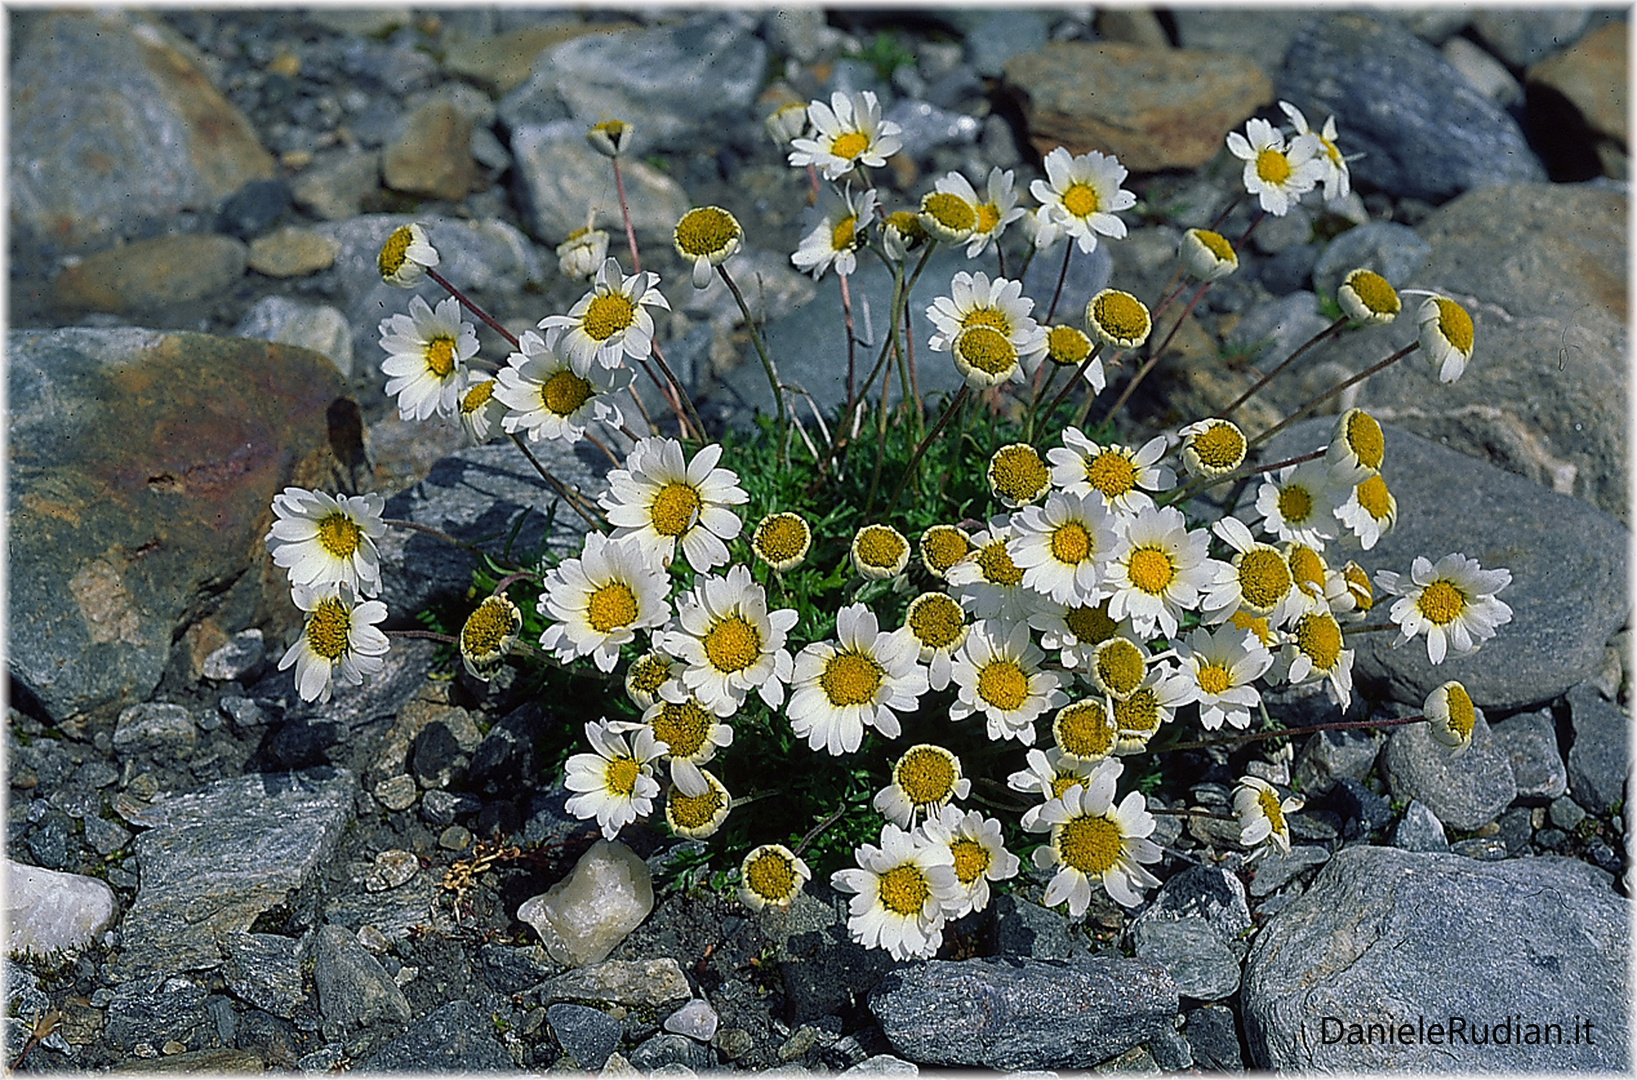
pixel 434 156
pixel 135 279
pixel 1153 108
pixel 1592 76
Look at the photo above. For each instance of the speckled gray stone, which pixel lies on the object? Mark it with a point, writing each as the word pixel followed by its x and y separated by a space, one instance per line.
pixel 1465 790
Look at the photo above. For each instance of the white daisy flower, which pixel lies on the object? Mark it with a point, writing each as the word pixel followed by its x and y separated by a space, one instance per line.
pixel 1368 298
pixel 662 499
pixel 706 236
pixel 1153 704
pixel 1261 814
pixel 1079 199
pixel 985 357
pixel 1258 580
pixel 847 132
pixel 488 634
pixel 1361 597
pixel 1118 319
pixel 697 817
pixel 1319 588
pixel 1223 666
pixel 1069 346
pixel 406 255
pixel 1213 448
pixel 787 123
pixel 979 854
pixel 949 212
pixel 1207 255
pixel 904 888
pixel 782 540
pixel 729 643
pixel 863 679
pixel 924 778
pixel 1358 447
pixel 583 253
pixel 599 600
pixel 1118 667
pixel 1333 174
pixel 988 583
pixel 996 214
pixel 615 783
pixel 975 300
pixel 902 233
pixel 1085 730
pixel 324 539
pixel 939 627
pixel 1063 546
pixel 839 233
pixel 1120 476
pixel 1075 630
pixel 771 876
pixel 426 353
pixel 690 735
pixel 942 546
pixel 611 321
pixel 479 410
pixel 548 399
pixel 1160 573
pixel 1278 176
pixel 1298 503
pixel 1050 775
pixel 1316 649
pixel 646 675
pixel 338 641
pixel 1452 602
pixel 611 138
pixel 1451 716
pixel 1018 475
pixel 879 552
pixel 1093 839
pixel 1370 511
pixel 1001 673
pixel 1446 336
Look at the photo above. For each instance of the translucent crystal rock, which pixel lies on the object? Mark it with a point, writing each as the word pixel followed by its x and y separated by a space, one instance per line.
pixel 49 910
pixel 583 917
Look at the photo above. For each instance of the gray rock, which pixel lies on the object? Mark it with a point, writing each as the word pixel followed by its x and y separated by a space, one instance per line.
pixel 354 990
pixel 1208 893
pixel 1001 35
pixel 1289 271
pixel 801 33
pixel 822 968
pixel 1530 741
pixel 1563 610
pixel 334 187
pixel 1394 251
pixel 1026 929
pixel 1328 756
pixel 587 1035
pixel 1598 759
pixel 1482 70
pixel 1276 868
pixel 1566 814
pixel 1465 791
pixel 883 1065
pixel 1516 830
pixel 240 658
pixel 1523 37
pixel 1263 35
pixel 667 1049
pixel 564 181
pixel 1022 1014
pixel 155 1009
pixel 1427 132
pixel 1213 1038
pixel 50 911
pixel 440 807
pixel 925 127
pixel 1420 829
pixel 1277 234
pixel 1434 24
pixel 1390 937
pixel 105 837
pixel 1273 330
pixel 155 726
pixel 1481 848
pixel 214 859
pixel 1193 952
pixel 318 327
pixel 454 1038
pixel 1361 810
pixel 264 970
pixel 632 983
pixel 696 1019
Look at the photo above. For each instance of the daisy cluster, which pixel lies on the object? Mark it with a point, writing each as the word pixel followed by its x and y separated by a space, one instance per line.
pixel 1065 627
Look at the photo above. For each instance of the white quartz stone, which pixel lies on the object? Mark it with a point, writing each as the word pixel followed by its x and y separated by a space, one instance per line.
pixel 583 917
pixel 48 910
pixel 696 1019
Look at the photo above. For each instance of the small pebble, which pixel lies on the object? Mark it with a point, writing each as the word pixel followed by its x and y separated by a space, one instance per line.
pixel 455 838
pixel 173 1047
pixel 397 793
pixel 803 1040
pixel 373 940
pixel 734 1043
pixel 696 1019
pixel 392 868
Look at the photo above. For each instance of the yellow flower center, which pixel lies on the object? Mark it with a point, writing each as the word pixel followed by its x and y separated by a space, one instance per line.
pixel 732 644
pixel 925 776
pixel 880 546
pixel 844 237
pixel 994 318
pixel 1375 498
pixel 1455 324
pixel 1061 782
pixel 987 349
pixel 1071 543
pixel 488 629
pixel 1216 244
pixel 1268 801
pixel 1264 579
pixel 1151 570
pixel 1272 166
pixel 1081 200
pixel 936 620
pixel 620 776
pixel 971 860
pixel 1442 602
pixel 1374 292
pixel 329 629
pixel 648 673
pixel 1365 439
pixel 675 509
pixel 611 606
pixel 395 251
pixel 1091 845
pixel 1307 569
pixel 1244 620
pixel 771 876
pixel 683 726
pixel 781 538
pixel 1462 716
pixel 478 396
pixel 1090 625
pixel 1121 665
pixel 1120 316
pixel 694 811
pixel 997 565
pixel 907 224
pixel 951 211
pixel 1067 346
pixel 942 546
pixel 1295 504
pixel 1017 473
pixel 1139 714
pixel 564 392
pixel 849 144
pixel 1358 584
pixel 904 890
pixel 339 535
pixel 1111 473
pixel 988 218
pixel 850 678
pixel 1319 639
pixel 706 231
pixel 1214 679
pixel 1219 447
pixel 608 314
pixel 1083 729
pixel 1004 685
pixel 440 355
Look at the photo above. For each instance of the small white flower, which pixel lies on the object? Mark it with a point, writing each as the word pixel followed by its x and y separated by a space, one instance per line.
pixel 707 236
pixel 988 583
pixel 601 599
pixel 1258 580
pixel 942 546
pixel 1370 511
pixel 1334 174
pixel 689 733
pixel 1017 474
pixel 1063 547
pixel 1051 773
pixel 729 643
pixel 1314 649
pixel 646 675
pixel 1152 705
pixel 1121 477
pixel 1368 298
pixel 1086 731
pixel 697 816
pixel 426 351
pixel 406 256
pixel 1261 814
pixel 978 851
pixel 1357 447
pixel 1093 839
pixel 1446 336
pixel 488 635
pixel 996 214
pixel 924 779
pixel 338 641
pixel 324 539
pixel 1076 630
pixel 879 552
pixel 1118 667
pixel 1160 573
pixel 1119 319
pixel 1224 666
pixel 479 409
pixel 1001 673
pixel 1452 602
pixel 1070 347
pixel 847 132
pixel 611 138
pixel 904 890
pixel 949 212
pixel 786 123
pixel 1277 176
pixel 611 321
pixel 583 253
pixel 859 681
pixel 938 625
pixel 975 300
pixel 1298 503
pixel 782 540
pixel 663 499
pixel 771 876
pixel 1451 716
pixel 1213 448
pixel 615 783
pixel 548 399
pixel 1079 199
pixel 1207 255
pixel 837 236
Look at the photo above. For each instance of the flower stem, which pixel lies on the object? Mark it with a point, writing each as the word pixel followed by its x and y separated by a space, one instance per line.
pixel 852 342
pixel 1154 356
pixel 466 303
pixel 557 485
pixel 625 212
pixel 1258 736
pixel 1328 332
pixel 681 392
pixel 761 351
pixel 1062 276
pixel 1332 392
pixel 915 459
